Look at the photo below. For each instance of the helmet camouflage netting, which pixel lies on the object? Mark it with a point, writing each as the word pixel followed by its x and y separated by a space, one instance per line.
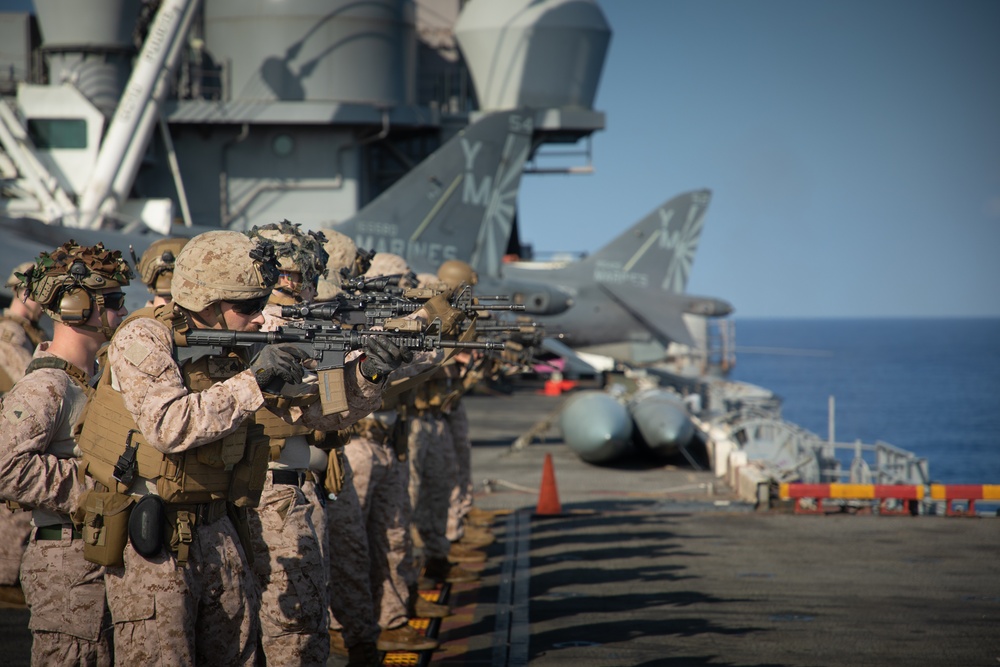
pixel 296 250
pixel 93 268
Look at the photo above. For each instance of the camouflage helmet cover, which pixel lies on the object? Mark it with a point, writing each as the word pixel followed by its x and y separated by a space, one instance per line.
pixel 455 272
pixel 93 268
pixel 387 264
pixel 222 266
pixel 296 250
pixel 156 266
pixel 341 248
pixel 428 280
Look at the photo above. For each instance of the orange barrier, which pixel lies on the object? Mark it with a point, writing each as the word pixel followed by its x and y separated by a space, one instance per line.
pixel 969 493
pixel 880 492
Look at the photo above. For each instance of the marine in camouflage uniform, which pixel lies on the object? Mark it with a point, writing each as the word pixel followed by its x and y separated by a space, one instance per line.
pixel 156 268
pixel 194 599
pixel 371 549
pixel 288 528
pixel 435 468
pixel 19 336
pixel 80 289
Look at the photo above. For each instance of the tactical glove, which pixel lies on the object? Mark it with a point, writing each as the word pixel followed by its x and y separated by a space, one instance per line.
pixel 382 357
pixel 438 308
pixel 274 362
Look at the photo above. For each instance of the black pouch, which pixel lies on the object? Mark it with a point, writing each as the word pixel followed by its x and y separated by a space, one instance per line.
pixel 147 525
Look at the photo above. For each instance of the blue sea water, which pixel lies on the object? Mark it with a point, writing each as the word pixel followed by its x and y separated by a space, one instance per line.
pixel 931 386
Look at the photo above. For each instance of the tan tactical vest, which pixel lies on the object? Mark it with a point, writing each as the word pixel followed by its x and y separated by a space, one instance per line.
pixel 278 431
pixel 231 469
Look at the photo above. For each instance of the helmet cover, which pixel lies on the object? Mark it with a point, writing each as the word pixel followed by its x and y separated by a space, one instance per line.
pixel 223 265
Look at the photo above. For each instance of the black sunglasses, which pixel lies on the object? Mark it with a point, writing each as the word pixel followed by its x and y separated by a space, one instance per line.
pixel 250 306
pixel 114 300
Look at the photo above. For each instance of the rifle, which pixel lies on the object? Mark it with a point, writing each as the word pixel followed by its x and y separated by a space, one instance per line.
pixel 376 310
pixel 327 344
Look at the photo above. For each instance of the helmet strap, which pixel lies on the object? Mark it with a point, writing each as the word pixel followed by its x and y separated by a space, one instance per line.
pixel 217 306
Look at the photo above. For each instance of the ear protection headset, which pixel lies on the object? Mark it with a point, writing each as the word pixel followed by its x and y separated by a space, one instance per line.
pixel 75 304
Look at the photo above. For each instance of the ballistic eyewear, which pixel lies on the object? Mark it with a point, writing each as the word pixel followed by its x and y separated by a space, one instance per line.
pixel 250 306
pixel 114 300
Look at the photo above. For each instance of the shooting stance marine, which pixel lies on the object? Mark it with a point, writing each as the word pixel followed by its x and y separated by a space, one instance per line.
pixel 172 432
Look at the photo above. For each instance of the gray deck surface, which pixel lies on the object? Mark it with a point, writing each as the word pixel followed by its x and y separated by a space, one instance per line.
pixel 645 567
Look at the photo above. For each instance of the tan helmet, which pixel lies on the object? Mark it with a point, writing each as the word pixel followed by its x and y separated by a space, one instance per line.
pixel 222 266
pixel 296 250
pixel 387 264
pixel 328 288
pixel 67 283
pixel 156 266
pixel 455 272
pixel 428 280
pixel 342 250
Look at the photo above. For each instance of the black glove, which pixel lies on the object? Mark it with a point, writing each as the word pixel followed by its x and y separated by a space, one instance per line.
pixel 282 361
pixel 382 357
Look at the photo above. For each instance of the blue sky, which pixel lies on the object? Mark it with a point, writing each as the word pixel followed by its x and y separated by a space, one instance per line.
pixel 852 147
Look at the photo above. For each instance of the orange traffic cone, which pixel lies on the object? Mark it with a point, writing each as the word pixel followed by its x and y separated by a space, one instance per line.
pixel 548 496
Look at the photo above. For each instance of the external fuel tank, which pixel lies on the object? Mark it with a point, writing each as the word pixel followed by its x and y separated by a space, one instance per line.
pixel 597 427
pixel 661 422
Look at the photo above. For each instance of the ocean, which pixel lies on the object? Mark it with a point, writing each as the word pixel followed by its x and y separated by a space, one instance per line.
pixel 930 386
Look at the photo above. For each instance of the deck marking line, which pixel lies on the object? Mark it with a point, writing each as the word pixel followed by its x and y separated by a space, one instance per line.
pixel 511 634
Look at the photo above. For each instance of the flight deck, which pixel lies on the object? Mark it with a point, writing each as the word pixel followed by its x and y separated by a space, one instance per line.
pixel 663 566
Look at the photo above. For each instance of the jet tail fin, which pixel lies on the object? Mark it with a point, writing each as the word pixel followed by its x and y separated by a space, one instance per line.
pixel 459 203
pixel 657 251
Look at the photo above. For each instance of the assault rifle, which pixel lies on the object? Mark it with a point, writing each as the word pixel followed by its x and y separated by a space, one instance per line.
pixel 377 310
pixel 326 343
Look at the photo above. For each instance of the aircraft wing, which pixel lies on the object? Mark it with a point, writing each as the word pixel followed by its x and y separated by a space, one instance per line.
pixel 574 361
pixel 660 312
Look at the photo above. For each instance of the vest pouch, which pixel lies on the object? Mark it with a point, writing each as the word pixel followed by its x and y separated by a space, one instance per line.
pixel 224 453
pixel 105 526
pixel 336 473
pixel 186 480
pixel 250 473
pixel 195 478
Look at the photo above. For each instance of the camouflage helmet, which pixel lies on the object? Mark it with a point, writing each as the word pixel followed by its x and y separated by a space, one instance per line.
pixel 222 266
pixel 341 248
pixel 14 283
pixel 329 287
pixel 428 280
pixel 387 264
pixel 156 266
pixel 66 282
pixel 455 272
pixel 296 250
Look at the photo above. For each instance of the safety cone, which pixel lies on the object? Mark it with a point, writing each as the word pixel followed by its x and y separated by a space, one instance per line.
pixel 548 496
